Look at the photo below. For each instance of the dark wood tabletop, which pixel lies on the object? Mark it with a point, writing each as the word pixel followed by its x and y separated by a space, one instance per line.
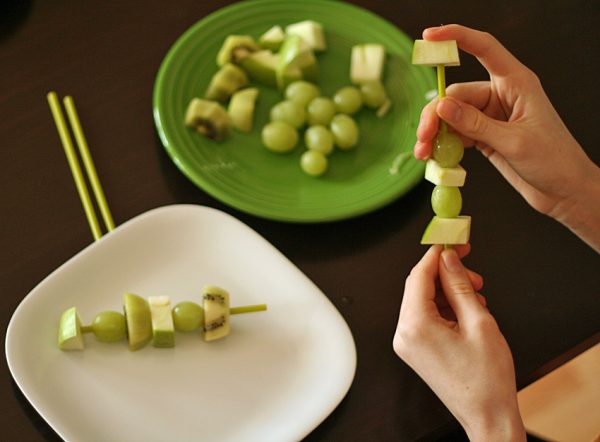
pixel 541 282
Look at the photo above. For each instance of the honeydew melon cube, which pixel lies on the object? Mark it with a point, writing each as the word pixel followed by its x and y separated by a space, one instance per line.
pixel 366 62
pixel 311 32
pixel 447 230
pixel 163 329
pixel 444 176
pixel 434 53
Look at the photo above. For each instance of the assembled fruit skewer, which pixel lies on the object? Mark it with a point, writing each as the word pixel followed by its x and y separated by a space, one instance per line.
pixel 153 320
pixel 447 227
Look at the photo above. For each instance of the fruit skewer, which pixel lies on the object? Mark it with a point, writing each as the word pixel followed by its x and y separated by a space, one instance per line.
pixel 154 320
pixel 447 227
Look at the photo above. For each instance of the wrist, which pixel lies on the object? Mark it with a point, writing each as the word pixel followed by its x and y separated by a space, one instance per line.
pixel 497 427
pixel 583 215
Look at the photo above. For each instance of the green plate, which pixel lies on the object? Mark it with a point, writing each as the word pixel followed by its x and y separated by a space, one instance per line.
pixel 240 172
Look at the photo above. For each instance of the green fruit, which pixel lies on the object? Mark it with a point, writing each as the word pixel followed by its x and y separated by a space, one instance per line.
pixel 280 137
pixel 208 118
pixel 435 53
pixel 446 201
pixel 225 82
pixel 447 230
pixel 188 316
pixel 241 108
pixel 70 336
pixel 215 302
pixel 163 330
pixel 139 321
pixel 235 49
pixel 448 149
pixel 109 326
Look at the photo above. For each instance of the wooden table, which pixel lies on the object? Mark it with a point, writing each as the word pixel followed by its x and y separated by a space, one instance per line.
pixel 542 283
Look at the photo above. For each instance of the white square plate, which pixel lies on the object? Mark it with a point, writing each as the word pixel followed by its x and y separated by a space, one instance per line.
pixel 274 378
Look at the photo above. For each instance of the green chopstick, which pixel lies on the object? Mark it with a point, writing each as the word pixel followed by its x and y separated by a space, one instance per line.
pixel 65 137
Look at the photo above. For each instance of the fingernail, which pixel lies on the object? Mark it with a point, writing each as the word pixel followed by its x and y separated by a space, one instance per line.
pixel 449 110
pixel 451 261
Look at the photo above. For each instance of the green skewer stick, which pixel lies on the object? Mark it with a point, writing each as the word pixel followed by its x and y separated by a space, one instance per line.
pixel 232 311
pixel 441 82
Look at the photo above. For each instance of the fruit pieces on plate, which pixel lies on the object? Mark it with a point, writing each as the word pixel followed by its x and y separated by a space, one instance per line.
pixel 367 62
pixel 208 118
pixel 154 320
pixel 241 108
pixel 443 169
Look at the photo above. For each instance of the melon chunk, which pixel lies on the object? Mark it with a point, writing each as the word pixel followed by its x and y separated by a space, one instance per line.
pixel 434 53
pixel 447 230
pixel 444 176
pixel 163 330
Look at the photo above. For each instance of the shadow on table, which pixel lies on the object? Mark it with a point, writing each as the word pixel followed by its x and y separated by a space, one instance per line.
pixel 12 14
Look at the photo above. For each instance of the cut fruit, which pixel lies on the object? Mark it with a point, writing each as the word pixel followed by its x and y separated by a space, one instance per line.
pixel 70 336
pixel 435 53
pixel 241 109
pixel 216 313
pixel 163 330
pixel 311 32
pixel 445 176
pixel 295 55
pixel 139 321
pixel 367 61
pixel 235 49
pixel 225 82
pixel 261 67
pixel 208 118
pixel 447 230
pixel 272 39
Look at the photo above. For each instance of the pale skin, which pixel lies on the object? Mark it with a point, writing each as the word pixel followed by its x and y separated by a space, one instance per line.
pixel 445 332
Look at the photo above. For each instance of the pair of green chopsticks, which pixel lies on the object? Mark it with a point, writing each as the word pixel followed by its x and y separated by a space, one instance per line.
pixel 65 137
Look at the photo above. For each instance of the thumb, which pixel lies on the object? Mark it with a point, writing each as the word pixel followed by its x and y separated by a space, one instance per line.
pixel 471 122
pixel 458 288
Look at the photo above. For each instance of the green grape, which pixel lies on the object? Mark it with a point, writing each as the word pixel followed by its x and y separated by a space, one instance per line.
pixel 290 112
pixel 373 94
pixel 448 149
pixel 313 162
pixel 302 92
pixel 187 316
pixel 345 131
pixel 320 111
pixel 446 201
pixel 318 138
pixel 279 136
pixel 109 326
pixel 348 100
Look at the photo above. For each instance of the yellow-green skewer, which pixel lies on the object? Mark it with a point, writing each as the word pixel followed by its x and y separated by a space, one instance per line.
pixel 247 309
pixel 67 143
pixel 441 82
pixel 88 162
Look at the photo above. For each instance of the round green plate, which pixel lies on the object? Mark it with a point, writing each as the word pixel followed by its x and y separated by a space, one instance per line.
pixel 240 172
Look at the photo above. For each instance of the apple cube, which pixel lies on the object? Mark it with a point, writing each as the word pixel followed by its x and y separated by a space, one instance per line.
pixel 434 53
pixel 447 230
pixel 366 63
pixel 445 176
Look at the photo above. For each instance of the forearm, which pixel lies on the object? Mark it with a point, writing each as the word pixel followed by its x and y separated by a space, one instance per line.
pixel 583 217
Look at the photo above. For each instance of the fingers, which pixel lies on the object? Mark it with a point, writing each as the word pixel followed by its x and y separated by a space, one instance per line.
pixel 458 288
pixel 472 123
pixel 491 54
pixel 419 289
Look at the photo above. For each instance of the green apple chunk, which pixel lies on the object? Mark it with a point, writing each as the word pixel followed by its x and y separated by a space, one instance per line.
pixel 261 67
pixel 272 39
pixel 235 48
pixel 70 336
pixel 447 230
pixel 228 79
pixel 295 55
pixel 241 109
pixel 435 53
pixel 366 63
pixel 208 118
pixel 163 330
pixel 139 321
pixel 445 176
pixel 215 302
pixel 311 32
